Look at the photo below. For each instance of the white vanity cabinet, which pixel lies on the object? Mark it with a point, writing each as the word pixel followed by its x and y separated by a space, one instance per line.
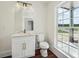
pixel 23 46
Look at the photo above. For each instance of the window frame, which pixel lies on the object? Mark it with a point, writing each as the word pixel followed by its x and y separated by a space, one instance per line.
pixel 57 31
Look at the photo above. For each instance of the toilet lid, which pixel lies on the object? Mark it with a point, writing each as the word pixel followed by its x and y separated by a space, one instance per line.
pixel 44 45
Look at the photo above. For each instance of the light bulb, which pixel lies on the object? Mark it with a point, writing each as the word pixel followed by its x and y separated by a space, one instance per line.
pixel 17 4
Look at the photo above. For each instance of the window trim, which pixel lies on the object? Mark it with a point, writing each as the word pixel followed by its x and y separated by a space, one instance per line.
pixel 56 38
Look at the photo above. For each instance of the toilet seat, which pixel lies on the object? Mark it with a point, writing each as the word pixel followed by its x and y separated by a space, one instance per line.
pixel 44 45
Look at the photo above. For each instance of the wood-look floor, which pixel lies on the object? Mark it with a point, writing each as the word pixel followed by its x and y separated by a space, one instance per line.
pixel 38 55
pixel 50 54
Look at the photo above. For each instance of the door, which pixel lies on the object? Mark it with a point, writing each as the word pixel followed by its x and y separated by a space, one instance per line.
pixel 30 46
pixel 17 47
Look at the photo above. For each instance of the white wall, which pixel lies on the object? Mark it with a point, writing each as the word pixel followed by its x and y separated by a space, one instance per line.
pixel 11 23
pixel 51 25
pixel 40 10
pixel 39 17
pixel 7 17
pixel 44 22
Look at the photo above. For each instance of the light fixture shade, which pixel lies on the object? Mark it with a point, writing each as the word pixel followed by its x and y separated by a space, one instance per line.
pixel 19 5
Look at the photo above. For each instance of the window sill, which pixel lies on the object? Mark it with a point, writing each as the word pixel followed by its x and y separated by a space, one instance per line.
pixel 67 55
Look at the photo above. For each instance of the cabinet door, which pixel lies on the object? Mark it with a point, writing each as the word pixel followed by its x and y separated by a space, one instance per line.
pixel 30 46
pixel 17 47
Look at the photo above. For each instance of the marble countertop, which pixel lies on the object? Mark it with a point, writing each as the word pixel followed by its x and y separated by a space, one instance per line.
pixel 23 34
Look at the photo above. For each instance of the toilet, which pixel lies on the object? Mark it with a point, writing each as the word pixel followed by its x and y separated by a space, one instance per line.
pixel 43 45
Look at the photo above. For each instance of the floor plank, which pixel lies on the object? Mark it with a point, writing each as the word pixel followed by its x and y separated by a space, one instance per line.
pixel 38 55
pixel 50 54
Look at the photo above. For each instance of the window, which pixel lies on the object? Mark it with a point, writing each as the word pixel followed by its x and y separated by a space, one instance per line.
pixel 68 28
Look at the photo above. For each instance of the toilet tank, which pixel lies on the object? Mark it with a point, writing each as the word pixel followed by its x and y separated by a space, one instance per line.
pixel 40 37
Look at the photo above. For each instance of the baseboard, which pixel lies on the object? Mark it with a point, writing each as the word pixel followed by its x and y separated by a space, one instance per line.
pixel 5 53
pixel 58 53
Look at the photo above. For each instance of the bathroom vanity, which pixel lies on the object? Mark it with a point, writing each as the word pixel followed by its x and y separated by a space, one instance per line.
pixel 23 45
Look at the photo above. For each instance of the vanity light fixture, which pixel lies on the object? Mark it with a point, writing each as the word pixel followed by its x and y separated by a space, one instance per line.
pixel 19 5
pixel 23 4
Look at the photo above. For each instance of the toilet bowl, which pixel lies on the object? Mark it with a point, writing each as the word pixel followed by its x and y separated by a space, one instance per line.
pixel 43 45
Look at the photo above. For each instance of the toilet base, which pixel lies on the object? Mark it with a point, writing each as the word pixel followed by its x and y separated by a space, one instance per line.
pixel 44 52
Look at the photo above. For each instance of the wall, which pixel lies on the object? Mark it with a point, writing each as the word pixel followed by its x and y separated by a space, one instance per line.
pixel 51 22
pixel 44 22
pixel 11 22
pixel 40 17
pixel 7 17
